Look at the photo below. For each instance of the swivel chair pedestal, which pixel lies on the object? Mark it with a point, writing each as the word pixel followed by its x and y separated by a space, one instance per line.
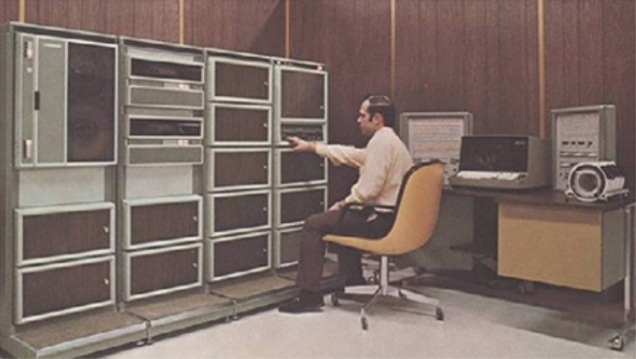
pixel 394 297
pixel 416 215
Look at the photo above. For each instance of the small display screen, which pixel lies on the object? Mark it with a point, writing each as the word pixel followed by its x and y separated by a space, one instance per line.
pixel 501 154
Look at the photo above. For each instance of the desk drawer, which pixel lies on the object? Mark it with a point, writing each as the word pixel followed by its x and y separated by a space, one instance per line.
pixel 574 248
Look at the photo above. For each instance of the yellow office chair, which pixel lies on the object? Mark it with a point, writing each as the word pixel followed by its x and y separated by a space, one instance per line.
pixel 416 216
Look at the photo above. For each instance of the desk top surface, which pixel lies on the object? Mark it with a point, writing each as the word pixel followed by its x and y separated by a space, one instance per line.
pixel 541 196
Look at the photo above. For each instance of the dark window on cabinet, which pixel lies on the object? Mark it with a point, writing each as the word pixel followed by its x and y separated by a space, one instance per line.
pixel 164 221
pixel 47 235
pixel 240 255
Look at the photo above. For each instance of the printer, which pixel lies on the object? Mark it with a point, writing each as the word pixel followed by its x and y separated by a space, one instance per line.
pixel 503 162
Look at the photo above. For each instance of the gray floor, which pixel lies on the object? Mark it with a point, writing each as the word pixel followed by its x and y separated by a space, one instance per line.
pixel 475 326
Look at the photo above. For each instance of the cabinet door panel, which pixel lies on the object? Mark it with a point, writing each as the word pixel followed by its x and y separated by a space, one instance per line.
pixel 239 255
pixel 301 167
pixel 288 246
pixel 238 124
pixel 91 103
pixel 303 95
pixel 166 221
pixel 241 168
pixel 55 234
pixel 59 289
pixel 164 270
pixel 241 81
pixel 241 211
pixel 298 205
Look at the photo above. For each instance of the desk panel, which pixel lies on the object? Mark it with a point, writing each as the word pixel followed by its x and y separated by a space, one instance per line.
pixel 563 246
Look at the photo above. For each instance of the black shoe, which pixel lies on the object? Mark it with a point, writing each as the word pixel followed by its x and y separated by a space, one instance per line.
pixel 306 302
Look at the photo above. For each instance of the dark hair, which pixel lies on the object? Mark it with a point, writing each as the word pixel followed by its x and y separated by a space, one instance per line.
pixel 384 106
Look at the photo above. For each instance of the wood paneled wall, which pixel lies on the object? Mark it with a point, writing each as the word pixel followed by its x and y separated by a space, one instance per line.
pixel 351 38
pixel 9 10
pixel 431 55
pixel 591 60
pixel 477 56
pixel 248 25
pixel 256 26
pixel 480 56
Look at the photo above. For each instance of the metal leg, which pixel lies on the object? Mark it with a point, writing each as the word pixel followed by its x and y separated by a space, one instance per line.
pixel 618 341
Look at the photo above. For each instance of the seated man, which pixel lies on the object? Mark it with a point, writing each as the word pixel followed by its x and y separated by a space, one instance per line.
pixel 382 164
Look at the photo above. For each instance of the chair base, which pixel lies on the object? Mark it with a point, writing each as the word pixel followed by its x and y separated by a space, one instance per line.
pixel 397 298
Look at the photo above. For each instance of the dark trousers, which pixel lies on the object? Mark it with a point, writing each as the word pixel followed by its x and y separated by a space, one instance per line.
pixel 312 247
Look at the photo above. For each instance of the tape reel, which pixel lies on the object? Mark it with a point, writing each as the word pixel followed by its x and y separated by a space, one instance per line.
pixel 595 181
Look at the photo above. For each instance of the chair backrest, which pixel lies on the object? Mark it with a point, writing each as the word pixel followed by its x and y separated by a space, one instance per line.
pixel 417 210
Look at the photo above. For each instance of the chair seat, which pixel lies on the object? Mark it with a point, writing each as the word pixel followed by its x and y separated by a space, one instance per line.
pixel 416 214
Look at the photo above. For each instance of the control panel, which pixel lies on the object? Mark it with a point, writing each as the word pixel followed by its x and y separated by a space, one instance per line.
pixel 581 134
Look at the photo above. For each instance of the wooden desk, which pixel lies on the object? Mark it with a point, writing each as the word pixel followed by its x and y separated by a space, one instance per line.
pixel 544 236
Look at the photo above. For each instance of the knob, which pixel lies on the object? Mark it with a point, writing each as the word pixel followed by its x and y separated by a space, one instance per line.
pixel 195 218
pixel 106 229
pixel 195 265
pixel 106 281
pixel 264 209
pixel 265 125
pixel 264 167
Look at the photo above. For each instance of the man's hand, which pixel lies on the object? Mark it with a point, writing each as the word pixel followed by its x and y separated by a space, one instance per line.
pixel 300 145
pixel 337 206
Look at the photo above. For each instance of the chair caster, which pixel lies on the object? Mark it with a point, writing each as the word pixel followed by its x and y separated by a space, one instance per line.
pixel 616 343
pixel 439 314
pixel 335 301
pixel 365 323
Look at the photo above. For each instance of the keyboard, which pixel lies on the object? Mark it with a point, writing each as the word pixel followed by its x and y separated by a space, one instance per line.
pixel 490 175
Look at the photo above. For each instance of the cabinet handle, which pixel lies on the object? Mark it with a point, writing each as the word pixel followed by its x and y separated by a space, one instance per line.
pixel 106 281
pixel 265 125
pixel 106 229
pixel 264 250
pixel 264 209
pixel 27 149
pixel 195 265
pixel 264 167
pixel 322 203
pixel 265 83
pixel 195 218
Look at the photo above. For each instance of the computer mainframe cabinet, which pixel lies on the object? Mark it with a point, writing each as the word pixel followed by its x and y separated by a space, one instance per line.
pixel 66 99
pixel 162 221
pixel 163 97
pixel 301 90
pixel 287 246
pixel 235 212
pixel 294 205
pixel 239 255
pixel 239 77
pixel 158 271
pixel 57 289
pixel 299 168
pixel 239 124
pixel 48 234
pixel 238 168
